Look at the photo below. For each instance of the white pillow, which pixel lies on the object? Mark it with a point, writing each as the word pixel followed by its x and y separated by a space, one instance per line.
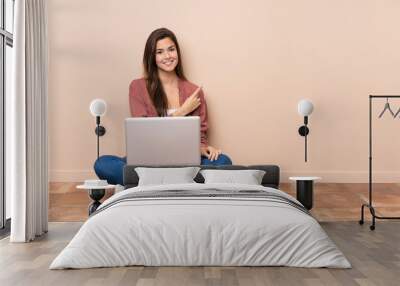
pixel 164 176
pixel 249 177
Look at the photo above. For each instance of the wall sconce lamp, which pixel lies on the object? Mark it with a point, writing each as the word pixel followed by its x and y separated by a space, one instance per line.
pixel 98 108
pixel 305 108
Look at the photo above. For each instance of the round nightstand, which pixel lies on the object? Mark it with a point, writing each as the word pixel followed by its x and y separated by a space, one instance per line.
pixel 96 193
pixel 304 190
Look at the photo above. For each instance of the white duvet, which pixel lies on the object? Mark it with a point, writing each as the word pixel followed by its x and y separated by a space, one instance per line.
pixel 200 231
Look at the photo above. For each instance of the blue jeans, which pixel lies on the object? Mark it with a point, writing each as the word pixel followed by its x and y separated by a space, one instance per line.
pixel 110 167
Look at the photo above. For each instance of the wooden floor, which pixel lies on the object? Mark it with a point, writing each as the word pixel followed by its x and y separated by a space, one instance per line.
pixel 374 255
pixel 332 202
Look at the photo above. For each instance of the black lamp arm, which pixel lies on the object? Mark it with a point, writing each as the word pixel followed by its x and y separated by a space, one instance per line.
pixel 303 131
pixel 100 131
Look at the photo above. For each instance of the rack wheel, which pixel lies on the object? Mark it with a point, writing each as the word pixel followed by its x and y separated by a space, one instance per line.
pixel 361 222
pixel 372 227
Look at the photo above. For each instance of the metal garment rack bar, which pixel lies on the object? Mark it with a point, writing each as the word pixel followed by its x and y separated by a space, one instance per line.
pixel 369 205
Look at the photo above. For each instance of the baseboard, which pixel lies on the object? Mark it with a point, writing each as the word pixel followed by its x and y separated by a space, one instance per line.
pixel 345 176
pixel 71 175
pixel 327 176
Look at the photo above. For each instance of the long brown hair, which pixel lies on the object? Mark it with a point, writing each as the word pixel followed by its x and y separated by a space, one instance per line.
pixel 153 82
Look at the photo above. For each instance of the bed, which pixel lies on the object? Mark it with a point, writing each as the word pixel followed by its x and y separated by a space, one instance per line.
pixel 198 224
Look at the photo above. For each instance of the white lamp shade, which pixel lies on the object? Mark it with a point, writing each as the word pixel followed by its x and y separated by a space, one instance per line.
pixel 305 107
pixel 98 107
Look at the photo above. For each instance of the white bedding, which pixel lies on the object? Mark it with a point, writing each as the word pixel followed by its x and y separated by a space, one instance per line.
pixel 200 231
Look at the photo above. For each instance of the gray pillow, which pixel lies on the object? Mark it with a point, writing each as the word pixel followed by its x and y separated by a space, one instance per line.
pixel 249 177
pixel 163 176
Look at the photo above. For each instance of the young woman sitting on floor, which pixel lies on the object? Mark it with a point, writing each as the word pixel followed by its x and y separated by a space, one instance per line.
pixel 164 91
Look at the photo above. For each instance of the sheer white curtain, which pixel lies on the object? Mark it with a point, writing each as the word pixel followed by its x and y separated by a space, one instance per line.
pixel 27 117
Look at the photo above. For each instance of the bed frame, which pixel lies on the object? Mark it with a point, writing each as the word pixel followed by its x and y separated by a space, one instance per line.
pixel 270 179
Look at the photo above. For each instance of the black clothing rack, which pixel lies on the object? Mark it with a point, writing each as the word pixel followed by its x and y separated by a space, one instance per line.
pixel 369 205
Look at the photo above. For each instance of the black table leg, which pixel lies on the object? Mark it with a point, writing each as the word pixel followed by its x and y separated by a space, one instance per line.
pixel 304 193
pixel 96 195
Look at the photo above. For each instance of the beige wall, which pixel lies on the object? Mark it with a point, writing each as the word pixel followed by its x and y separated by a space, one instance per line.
pixel 255 59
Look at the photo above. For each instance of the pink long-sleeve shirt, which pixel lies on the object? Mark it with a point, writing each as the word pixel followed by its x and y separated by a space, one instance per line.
pixel 142 106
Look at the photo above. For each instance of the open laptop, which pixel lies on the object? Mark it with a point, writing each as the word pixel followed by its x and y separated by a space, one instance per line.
pixel 163 140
